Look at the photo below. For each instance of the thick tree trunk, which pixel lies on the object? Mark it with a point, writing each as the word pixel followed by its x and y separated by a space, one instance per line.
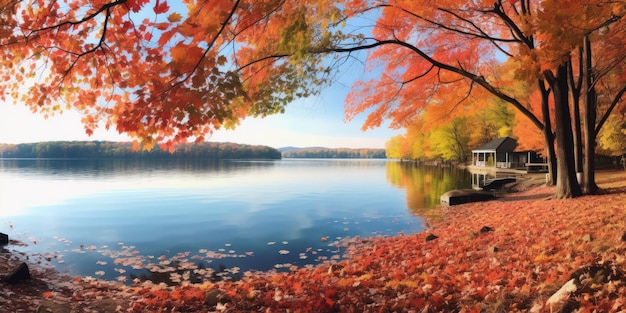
pixel 589 121
pixel 548 136
pixel 566 184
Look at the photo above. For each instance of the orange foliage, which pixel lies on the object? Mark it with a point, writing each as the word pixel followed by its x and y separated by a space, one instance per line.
pixel 166 73
pixel 159 72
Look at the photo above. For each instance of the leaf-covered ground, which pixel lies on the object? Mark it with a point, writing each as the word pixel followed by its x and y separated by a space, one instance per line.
pixel 513 254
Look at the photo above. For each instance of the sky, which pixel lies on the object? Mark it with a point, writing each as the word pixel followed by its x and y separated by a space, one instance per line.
pixel 317 122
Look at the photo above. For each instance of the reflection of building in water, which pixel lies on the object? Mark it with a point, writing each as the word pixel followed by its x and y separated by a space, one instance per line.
pixel 502 154
pixel 492 180
pixel 479 178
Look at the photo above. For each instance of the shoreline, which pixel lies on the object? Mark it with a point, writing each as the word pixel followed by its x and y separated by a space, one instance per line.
pixel 529 249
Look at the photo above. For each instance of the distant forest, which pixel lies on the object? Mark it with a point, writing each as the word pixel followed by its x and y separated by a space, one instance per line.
pixel 108 149
pixel 340 153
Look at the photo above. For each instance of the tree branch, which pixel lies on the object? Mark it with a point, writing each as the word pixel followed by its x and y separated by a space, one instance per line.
pixel 616 100
pixel 475 78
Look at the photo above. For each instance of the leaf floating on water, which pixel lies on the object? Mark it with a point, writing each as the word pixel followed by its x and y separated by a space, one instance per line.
pixel 271 243
pixel 100 273
pixel 283 252
pixel 285 242
pixel 227 244
pixel 101 263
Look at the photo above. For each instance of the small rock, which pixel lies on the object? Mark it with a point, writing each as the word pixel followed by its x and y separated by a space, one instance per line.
pixel 587 238
pixel 215 296
pixel 559 298
pixel 20 272
pixel 4 239
pixel 486 229
pixel 431 237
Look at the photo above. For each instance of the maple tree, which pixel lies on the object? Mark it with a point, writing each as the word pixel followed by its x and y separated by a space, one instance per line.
pixel 465 42
pixel 158 74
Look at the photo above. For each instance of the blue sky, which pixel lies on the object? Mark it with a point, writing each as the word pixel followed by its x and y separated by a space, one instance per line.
pixel 310 122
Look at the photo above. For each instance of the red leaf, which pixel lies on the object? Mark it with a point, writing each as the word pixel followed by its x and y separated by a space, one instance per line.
pixel 161 7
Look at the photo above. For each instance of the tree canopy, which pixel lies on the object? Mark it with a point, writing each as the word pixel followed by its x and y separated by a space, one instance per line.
pixel 170 72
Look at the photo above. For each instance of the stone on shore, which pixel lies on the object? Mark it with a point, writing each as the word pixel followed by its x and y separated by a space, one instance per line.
pixel 19 273
pixel 460 196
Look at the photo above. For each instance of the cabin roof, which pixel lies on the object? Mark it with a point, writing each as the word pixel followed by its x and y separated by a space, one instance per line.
pixel 504 144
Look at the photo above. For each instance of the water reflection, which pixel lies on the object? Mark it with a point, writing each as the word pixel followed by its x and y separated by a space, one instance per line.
pixel 425 184
pixel 117 167
pixel 125 219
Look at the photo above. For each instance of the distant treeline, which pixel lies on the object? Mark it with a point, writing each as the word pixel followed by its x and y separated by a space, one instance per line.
pixel 108 149
pixel 341 153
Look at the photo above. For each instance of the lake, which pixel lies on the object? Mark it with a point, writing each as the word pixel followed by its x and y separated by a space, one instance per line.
pixel 177 221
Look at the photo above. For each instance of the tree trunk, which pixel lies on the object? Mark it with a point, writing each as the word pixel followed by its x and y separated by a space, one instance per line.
pixel 547 132
pixel 575 86
pixel 589 121
pixel 566 184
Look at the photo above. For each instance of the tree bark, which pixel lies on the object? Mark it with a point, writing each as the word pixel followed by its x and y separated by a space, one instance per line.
pixel 589 121
pixel 566 184
pixel 548 136
pixel 575 89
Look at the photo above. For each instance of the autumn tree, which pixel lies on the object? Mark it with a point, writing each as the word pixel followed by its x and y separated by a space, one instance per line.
pixel 393 147
pixel 166 73
pixel 465 42
pixel 612 137
pixel 161 74
pixel 596 79
pixel 451 140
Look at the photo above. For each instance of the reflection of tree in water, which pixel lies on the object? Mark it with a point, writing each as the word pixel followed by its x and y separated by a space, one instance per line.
pixel 202 273
pixel 425 184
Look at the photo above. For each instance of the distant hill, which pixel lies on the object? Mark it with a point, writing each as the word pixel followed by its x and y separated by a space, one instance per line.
pixel 334 153
pixel 109 149
pixel 291 148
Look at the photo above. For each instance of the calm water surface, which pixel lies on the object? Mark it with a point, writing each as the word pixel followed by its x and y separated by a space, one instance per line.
pixel 184 220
